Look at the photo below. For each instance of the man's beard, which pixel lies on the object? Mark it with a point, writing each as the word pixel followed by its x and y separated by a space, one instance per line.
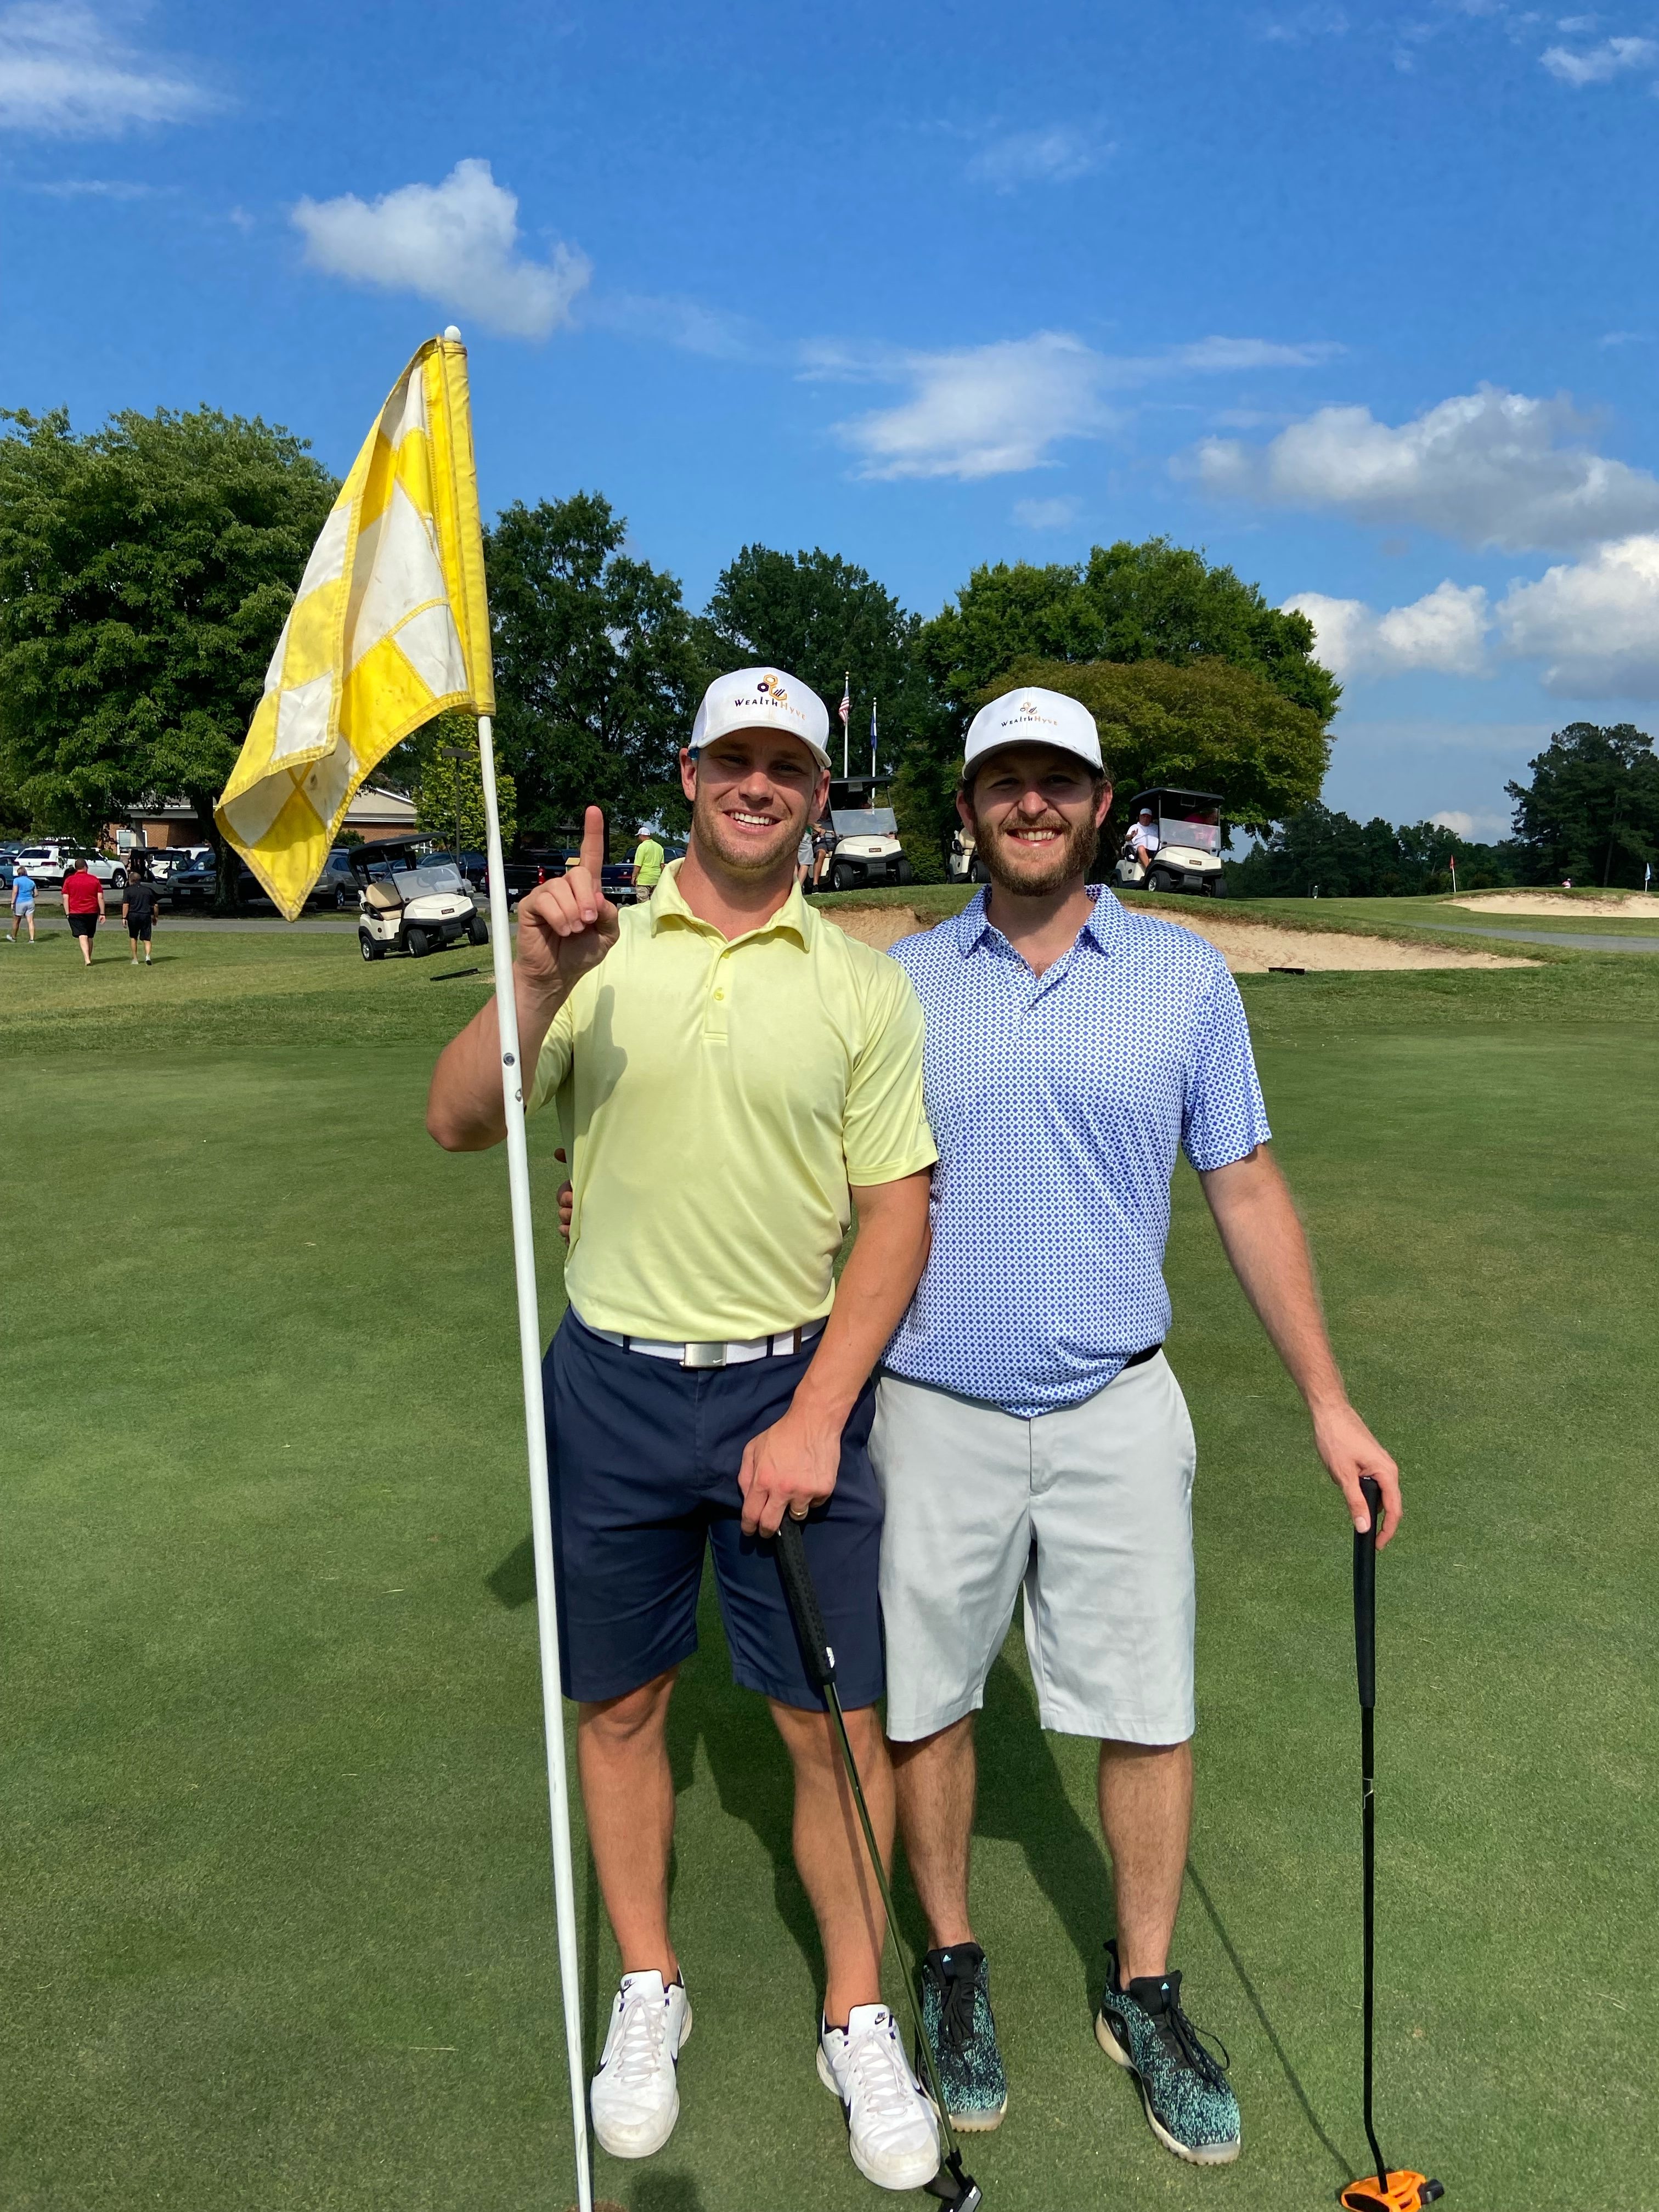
pixel 742 858
pixel 1076 851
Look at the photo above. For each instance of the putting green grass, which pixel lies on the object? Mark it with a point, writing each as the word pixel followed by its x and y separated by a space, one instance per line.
pixel 275 1885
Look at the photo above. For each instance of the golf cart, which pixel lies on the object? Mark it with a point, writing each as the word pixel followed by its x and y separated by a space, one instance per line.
pixel 863 837
pixel 1188 855
pixel 412 899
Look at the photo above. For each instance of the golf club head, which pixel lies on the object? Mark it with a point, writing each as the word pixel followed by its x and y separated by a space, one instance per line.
pixel 955 2188
pixel 1398 2190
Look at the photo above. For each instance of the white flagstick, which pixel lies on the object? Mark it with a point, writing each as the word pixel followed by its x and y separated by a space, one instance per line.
pixel 535 1422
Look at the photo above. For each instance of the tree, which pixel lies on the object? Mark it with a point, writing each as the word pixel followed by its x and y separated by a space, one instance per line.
pixel 146 571
pixel 451 791
pixel 1591 811
pixel 1127 603
pixel 1206 725
pixel 597 675
pixel 827 620
pixel 1315 849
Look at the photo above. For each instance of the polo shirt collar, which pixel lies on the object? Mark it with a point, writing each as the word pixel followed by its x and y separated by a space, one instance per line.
pixel 1104 925
pixel 794 918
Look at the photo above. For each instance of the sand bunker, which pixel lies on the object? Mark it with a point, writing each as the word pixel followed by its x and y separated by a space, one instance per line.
pixel 1631 906
pixel 1248 948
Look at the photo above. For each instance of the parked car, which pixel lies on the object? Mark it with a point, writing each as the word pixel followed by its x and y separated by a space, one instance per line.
pixel 338 885
pixel 192 882
pixel 47 860
pixel 161 861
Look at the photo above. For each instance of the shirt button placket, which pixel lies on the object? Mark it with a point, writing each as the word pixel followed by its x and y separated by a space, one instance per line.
pixel 719 998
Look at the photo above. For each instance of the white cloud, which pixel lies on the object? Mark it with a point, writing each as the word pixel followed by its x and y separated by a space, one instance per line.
pixel 672 319
pixel 453 244
pixel 1595 623
pixel 1045 514
pixel 1473 829
pixel 63 71
pixel 1490 468
pixel 1313 22
pixel 1598 65
pixel 97 188
pixel 994 410
pixel 1218 353
pixel 1056 154
pixel 1446 629
pixel 984 410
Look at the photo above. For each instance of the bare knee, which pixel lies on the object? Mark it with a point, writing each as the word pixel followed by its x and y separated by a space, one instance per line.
pixel 618 1723
pixel 809 1737
pixel 942 1748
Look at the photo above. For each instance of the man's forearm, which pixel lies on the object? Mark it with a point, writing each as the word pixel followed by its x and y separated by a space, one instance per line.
pixel 876 1284
pixel 465 1111
pixel 1269 1252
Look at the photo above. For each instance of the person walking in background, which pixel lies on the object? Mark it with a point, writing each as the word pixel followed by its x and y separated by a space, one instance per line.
pixel 804 853
pixel 648 858
pixel 138 912
pixel 22 904
pixel 84 902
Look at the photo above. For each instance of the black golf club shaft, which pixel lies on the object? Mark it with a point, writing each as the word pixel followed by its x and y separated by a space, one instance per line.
pixel 803 1601
pixel 1364 1641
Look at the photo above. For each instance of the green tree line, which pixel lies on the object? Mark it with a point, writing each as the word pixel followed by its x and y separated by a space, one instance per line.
pixel 146 568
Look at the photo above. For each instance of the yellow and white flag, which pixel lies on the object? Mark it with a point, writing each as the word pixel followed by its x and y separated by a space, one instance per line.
pixel 389 626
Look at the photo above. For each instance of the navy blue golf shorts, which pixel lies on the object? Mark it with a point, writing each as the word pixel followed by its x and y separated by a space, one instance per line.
pixel 643 1465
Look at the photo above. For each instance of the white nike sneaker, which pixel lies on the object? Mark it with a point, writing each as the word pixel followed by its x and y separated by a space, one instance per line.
pixel 890 2126
pixel 635 2095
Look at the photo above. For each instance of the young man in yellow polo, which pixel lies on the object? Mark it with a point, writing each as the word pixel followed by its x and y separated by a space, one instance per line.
pixel 733 1073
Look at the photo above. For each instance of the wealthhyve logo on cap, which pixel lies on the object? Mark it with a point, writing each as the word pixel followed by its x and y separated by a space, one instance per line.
pixel 770 692
pixel 1029 711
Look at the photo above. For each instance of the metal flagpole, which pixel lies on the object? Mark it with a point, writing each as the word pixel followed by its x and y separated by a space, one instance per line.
pixel 535 1422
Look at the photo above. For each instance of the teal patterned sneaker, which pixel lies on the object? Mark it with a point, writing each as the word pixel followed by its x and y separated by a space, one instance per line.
pixel 955 2013
pixel 1190 2105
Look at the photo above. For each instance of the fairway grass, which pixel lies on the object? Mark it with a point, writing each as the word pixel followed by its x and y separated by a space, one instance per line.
pixel 275 1885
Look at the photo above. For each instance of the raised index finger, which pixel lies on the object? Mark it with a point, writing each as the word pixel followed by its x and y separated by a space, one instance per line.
pixel 592 852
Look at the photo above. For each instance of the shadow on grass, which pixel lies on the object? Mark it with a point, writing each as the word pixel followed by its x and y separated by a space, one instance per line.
pixel 1023 1800
pixel 1268 2027
pixel 513 1582
pixel 666 2192
pixel 750 1767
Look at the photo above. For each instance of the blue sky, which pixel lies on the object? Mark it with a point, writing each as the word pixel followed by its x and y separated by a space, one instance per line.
pixel 1358 299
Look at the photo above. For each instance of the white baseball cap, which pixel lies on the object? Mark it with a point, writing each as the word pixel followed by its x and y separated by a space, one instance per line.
pixel 1034 717
pixel 763 699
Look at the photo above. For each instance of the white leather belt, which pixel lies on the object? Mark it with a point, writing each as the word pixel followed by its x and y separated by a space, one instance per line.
pixel 780 1346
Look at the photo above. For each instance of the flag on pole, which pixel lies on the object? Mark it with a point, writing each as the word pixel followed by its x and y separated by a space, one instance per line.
pixel 846 698
pixel 388 628
pixel 872 737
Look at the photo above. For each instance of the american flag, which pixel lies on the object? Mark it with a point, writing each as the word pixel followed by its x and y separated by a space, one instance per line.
pixel 846 698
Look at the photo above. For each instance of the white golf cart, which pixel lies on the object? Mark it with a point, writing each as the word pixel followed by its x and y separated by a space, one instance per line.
pixel 1187 856
pixel 415 900
pixel 863 837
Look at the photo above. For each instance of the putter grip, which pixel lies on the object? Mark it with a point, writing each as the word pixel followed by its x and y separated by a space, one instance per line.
pixel 803 1601
pixel 1365 1594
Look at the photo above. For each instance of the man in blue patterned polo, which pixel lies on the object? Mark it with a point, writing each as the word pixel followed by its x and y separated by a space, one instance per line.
pixel 1029 1432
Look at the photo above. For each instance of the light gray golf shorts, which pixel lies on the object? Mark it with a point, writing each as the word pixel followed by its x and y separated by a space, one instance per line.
pixel 1089 1508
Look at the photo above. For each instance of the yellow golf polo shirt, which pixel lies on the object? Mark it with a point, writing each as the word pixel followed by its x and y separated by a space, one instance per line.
pixel 717 1099
pixel 648 859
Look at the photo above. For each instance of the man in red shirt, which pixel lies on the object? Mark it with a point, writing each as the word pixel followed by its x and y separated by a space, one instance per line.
pixel 84 902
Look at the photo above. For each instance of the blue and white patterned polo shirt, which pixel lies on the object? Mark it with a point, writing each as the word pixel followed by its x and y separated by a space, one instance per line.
pixel 1057 1102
